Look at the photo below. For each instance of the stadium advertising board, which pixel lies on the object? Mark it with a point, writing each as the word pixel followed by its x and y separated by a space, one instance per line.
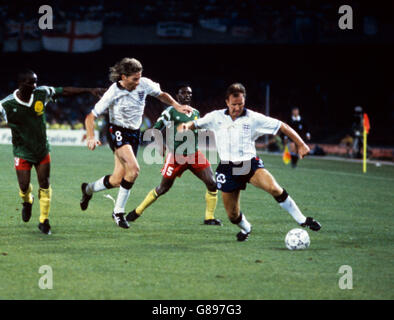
pixel 55 137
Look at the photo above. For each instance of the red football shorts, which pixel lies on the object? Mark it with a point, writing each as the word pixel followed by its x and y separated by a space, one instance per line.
pixel 175 165
pixel 22 164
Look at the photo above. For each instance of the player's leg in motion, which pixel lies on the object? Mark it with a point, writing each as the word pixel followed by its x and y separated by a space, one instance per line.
pixel 152 196
pixel 231 202
pixel 264 180
pixel 211 195
pixel 126 156
pixel 44 195
pixel 104 183
pixel 169 172
pixel 25 191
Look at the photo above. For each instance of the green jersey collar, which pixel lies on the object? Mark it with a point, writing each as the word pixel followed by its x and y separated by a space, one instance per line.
pixel 27 104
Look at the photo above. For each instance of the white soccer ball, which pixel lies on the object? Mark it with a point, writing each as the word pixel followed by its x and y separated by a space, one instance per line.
pixel 297 239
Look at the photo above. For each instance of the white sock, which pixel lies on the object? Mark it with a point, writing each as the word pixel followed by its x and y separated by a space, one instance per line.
pixel 291 207
pixel 123 196
pixel 244 225
pixel 95 186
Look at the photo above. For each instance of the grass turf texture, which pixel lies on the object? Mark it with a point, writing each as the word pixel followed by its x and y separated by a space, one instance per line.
pixel 169 254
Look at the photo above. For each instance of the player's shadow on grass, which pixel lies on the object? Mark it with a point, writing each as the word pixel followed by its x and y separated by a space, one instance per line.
pixel 37 235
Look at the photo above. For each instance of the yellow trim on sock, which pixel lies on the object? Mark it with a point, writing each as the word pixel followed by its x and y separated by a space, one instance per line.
pixel 45 196
pixel 211 199
pixel 26 196
pixel 149 199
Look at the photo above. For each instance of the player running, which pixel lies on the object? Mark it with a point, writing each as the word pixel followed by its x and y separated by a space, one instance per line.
pixel 125 99
pixel 24 111
pixel 236 130
pixel 177 161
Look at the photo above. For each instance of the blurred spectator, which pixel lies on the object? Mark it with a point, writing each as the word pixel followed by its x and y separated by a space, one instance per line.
pixel 299 125
pixel 357 129
pixel 53 125
pixel 274 144
pixel 65 126
pixel 78 125
pixel 347 142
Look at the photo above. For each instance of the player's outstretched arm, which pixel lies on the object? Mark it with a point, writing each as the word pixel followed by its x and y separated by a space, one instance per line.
pixel 71 91
pixel 168 100
pixel 90 139
pixel 303 149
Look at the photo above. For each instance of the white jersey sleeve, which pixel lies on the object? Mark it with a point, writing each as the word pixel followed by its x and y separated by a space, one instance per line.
pixel 265 125
pixel 49 91
pixel 3 114
pixel 207 121
pixel 152 88
pixel 105 101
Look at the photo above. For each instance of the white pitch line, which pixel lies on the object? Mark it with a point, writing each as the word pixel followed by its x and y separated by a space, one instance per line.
pixel 365 176
pixel 333 158
pixel 347 174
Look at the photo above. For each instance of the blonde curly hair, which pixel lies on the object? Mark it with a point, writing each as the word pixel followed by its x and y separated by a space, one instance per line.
pixel 126 66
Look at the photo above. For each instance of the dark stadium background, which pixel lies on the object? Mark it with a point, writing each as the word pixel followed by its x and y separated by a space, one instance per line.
pixel 325 74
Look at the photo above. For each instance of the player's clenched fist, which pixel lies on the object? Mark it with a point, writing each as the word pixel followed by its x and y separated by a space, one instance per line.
pixel 92 143
pixel 303 150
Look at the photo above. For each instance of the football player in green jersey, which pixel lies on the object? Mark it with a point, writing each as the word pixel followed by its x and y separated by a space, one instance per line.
pixel 24 112
pixel 177 161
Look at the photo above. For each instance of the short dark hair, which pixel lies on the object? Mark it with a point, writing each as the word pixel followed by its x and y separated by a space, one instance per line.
pixel 22 74
pixel 126 66
pixel 235 89
pixel 183 86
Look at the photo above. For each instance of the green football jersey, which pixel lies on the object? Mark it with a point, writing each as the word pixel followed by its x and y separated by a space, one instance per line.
pixel 171 119
pixel 27 122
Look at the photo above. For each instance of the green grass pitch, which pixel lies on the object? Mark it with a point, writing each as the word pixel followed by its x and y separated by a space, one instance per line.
pixel 169 254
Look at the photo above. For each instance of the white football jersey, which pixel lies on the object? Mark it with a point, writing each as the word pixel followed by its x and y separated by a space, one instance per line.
pixel 235 140
pixel 126 108
pixel 3 115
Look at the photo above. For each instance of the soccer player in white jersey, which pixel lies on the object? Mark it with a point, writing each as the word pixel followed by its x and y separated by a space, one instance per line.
pixel 236 130
pixel 125 99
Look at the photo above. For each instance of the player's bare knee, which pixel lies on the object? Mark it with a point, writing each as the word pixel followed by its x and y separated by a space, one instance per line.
pixel 135 173
pixel 132 171
pixel 135 169
pixel 132 175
